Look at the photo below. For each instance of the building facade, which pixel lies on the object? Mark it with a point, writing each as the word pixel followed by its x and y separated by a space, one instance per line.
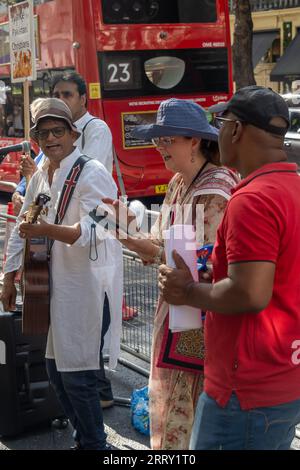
pixel 276 43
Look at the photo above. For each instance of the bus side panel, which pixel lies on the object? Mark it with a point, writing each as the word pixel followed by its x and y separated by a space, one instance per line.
pixel 55 34
pixel 86 61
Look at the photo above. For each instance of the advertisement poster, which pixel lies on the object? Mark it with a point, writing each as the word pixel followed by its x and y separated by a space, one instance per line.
pixel 129 122
pixel 22 42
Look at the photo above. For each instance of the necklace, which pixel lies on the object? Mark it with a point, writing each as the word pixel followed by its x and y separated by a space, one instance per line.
pixel 179 199
pixel 194 179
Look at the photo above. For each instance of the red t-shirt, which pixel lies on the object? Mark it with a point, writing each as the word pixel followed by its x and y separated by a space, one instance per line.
pixel 258 355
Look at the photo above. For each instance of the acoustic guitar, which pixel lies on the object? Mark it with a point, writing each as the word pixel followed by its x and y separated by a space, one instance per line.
pixel 36 287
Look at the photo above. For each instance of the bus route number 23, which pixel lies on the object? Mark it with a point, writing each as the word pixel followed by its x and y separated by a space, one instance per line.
pixel 119 73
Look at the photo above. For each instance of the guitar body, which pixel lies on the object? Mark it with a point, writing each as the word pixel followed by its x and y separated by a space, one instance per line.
pixel 36 286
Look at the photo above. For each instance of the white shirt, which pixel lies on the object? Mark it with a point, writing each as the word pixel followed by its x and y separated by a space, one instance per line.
pixel 98 140
pixel 77 284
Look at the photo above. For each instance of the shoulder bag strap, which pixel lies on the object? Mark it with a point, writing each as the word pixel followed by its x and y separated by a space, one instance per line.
pixel 119 176
pixel 116 162
pixel 83 131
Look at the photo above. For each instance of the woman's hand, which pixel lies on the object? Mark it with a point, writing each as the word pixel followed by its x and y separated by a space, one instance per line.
pixel 124 219
pixel 39 229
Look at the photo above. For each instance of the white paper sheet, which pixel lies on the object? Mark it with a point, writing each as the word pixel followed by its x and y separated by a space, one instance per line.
pixel 182 238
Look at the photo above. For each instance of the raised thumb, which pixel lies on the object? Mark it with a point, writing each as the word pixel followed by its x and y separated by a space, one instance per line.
pixel 179 261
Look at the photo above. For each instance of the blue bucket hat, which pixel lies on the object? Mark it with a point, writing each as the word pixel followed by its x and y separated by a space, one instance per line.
pixel 178 117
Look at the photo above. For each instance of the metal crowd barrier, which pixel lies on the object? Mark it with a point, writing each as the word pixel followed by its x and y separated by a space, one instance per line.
pixel 7 216
pixel 140 298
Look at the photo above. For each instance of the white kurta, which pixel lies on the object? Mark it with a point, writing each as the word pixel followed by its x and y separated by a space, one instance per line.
pixel 77 283
pixel 98 140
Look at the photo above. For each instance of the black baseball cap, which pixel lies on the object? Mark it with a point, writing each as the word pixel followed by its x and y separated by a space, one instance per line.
pixel 256 105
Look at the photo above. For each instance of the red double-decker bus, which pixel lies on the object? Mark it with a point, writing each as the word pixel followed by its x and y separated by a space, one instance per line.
pixel 133 54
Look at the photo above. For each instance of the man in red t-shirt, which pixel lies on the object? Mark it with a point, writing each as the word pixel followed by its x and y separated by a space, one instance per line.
pixel 251 396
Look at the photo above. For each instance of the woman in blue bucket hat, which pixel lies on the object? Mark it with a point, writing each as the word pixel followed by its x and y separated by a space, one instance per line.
pixel 188 146
pixel 176 117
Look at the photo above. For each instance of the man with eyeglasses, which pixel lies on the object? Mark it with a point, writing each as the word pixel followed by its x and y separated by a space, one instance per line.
pixel 95 141
pixel 81 267
pixel 251 396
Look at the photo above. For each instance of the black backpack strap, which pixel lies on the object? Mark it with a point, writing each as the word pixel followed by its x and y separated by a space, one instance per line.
pixel 83 130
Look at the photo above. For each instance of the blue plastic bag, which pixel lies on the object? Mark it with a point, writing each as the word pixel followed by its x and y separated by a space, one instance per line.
pixel 140 410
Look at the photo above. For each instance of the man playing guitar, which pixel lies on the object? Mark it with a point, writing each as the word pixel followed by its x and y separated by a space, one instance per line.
pixel 81 272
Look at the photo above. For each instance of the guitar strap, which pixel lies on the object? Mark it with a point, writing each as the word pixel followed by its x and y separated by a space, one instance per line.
pixel 67 192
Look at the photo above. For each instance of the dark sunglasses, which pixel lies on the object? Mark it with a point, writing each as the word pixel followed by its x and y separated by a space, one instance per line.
pixel 56 131
pixel 219 121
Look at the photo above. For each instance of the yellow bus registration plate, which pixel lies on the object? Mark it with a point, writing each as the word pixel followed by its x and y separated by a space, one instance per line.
pixel 161 188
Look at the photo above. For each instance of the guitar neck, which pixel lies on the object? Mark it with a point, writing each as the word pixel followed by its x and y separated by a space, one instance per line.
pixel 33 213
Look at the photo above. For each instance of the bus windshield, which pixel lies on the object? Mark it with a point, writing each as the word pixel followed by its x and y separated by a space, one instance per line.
pixel 158 11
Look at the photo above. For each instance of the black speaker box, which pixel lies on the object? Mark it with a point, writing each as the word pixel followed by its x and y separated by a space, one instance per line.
pixel 26 397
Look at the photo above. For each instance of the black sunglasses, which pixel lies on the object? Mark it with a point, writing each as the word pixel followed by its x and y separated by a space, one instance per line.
pixel 56 131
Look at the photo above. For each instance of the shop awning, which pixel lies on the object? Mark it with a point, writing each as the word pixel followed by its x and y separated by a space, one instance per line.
pixel 288 66
pixel 261 42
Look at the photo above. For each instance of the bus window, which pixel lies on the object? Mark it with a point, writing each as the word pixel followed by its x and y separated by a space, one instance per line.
pixel 136 73
pixel 159 11
pixel 190 11
pixel 165 72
